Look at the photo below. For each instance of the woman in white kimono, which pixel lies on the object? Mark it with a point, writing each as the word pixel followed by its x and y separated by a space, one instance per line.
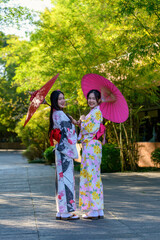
pixel 91 188
pixel 64 154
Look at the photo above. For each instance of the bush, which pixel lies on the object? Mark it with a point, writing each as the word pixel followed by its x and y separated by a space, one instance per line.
pixel 110 158
pixel 34 135
pixel 31 153
pixel 155 156
pixel 77 166
pixel 49 155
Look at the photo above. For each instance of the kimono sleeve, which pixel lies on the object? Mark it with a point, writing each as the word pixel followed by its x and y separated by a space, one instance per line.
pixel 92 123
pixel 68 135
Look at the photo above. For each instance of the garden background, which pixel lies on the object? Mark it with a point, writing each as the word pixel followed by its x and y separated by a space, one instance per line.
pixel 116 39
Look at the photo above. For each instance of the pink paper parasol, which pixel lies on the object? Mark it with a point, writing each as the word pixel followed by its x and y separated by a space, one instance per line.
pixel 38 97
pixel 116 111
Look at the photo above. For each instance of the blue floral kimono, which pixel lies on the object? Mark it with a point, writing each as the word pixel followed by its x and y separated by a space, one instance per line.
pixel 65 153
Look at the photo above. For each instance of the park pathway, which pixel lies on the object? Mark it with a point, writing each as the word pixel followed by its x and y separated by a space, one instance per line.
pixel 27 205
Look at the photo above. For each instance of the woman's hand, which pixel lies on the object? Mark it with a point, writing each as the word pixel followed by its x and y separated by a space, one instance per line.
pixel 73 120
pixel 107 95
pixel 82 118
pixel 111 98
pixel 79 123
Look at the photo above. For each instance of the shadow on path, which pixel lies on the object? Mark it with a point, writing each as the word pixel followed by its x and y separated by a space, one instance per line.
pixel 27 205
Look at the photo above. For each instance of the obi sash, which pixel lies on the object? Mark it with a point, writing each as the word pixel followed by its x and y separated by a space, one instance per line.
pixel 55 134
pixel 100 132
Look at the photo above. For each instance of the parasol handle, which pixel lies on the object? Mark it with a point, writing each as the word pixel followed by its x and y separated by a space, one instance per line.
pixel 45 102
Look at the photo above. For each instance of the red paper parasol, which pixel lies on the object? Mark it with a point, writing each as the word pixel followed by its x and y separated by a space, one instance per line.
pixel 38 97
pixel 116 111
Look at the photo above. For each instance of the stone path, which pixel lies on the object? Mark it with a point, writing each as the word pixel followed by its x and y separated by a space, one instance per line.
pixel 27 205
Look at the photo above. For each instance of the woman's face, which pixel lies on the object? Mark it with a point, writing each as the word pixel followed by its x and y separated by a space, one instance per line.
pixel 92 102
pixel 61 101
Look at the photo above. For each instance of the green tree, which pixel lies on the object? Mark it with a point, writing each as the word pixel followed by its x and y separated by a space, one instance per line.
pixel 12 104
pixel 118 40
pixel 14 15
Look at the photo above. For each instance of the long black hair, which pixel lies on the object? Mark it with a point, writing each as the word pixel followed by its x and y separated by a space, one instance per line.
pixel 97 94
pixel 54 105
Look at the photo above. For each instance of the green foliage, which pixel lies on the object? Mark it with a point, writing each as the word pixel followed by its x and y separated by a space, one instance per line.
pixel 155 156
pixel 35 133
pixel 13 105
pixel 49 155
pixel 32 153
pixel 77 166
pixel 110 158
pixel 14 15
pixel 119 40
pixel 42 161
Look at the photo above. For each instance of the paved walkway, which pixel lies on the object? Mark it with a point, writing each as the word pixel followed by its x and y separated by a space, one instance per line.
pixel 27 205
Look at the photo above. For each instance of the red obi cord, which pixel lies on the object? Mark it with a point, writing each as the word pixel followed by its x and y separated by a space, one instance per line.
pixel 55 134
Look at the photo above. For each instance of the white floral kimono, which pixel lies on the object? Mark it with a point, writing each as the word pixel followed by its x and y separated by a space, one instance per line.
pixel 65 153
pixel 91 188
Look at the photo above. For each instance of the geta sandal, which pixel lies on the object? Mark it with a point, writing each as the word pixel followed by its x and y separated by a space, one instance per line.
pixel 85 216
pixel 71 217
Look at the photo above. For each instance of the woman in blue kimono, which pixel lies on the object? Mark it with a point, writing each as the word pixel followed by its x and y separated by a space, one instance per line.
pixel 65 152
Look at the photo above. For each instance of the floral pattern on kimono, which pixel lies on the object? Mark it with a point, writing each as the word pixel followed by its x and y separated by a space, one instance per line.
pixel 91 188
pixel 65 153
